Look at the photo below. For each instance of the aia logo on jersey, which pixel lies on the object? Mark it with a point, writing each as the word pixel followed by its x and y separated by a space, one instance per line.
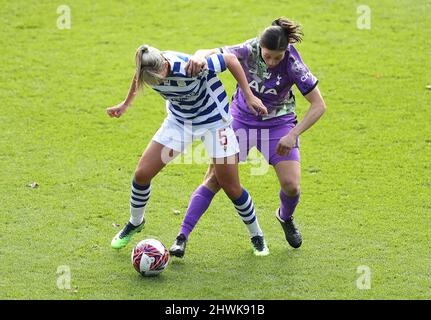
pixel 261 89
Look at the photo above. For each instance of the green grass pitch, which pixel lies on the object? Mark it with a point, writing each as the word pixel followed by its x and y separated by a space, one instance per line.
pixel 366 166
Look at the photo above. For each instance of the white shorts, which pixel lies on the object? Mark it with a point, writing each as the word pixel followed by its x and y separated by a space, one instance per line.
pixel 219 139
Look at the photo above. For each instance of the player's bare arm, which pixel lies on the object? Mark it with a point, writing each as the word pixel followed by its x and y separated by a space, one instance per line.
pixel 117 110
pixel 255 104
pixel 316 110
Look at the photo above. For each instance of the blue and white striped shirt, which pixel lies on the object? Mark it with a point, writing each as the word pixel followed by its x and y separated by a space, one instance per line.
pixel 200 100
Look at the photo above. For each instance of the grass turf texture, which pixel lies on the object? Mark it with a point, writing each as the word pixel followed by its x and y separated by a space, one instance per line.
pixel 365 165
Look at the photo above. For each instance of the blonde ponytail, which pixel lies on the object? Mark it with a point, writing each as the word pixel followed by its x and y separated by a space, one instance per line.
pixel 149 65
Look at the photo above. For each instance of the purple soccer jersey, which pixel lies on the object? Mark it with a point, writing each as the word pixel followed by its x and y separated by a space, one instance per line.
pixel 272 85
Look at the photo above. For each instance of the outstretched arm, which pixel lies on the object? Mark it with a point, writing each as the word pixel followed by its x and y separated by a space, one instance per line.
pixel 117 110
pixel 316 110
pixel 255 104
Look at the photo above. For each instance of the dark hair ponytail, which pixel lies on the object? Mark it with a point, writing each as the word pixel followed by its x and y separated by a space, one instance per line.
pixel 281 32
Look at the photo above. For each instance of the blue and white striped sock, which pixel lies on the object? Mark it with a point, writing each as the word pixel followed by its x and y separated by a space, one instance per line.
pixel 138 201
pixel 245 208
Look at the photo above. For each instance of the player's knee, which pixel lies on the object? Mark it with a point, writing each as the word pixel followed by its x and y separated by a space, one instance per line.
pixel 142 176
pixel 231 190
pixel 290 187
pixel 211 183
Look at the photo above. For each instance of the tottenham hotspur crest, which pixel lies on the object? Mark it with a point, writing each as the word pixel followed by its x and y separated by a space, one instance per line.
pixel 278 80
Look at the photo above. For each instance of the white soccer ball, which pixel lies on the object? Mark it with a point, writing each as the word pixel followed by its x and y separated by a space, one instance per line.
pixel 150 257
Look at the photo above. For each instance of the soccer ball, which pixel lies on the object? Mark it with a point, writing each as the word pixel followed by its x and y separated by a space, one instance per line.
pixel 150 257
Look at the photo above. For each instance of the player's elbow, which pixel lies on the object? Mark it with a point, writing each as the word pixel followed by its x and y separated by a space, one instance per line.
pixel 320 106
pixel 230 59
pixel 323 107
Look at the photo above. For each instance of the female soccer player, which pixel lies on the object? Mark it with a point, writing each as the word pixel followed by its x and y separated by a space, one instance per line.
pixel 197 108
pixel 272 65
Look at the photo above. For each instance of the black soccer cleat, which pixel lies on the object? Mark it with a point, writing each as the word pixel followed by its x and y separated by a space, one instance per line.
pixel 293 236
pixel 178 249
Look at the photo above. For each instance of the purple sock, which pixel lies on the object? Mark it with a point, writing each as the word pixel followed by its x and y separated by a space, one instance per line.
pixel 287 205
pixel 199 203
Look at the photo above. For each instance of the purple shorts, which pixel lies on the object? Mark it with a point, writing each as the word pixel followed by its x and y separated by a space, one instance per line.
pixel 265 140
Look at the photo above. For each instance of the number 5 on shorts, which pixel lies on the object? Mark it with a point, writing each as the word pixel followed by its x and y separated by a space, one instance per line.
pixel 223 138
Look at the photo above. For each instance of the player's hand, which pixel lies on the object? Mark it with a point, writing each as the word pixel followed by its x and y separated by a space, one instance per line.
pixel 286 144
pixel 195 65
pixel 256 106
pixel 117 111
